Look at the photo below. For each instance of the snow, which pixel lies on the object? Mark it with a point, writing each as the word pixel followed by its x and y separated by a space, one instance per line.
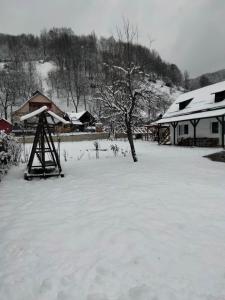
pixel 57 117
pixel 2 64
pixel 203 98
pixel 112 229
pixel 76 116
pixel 201 115
pixel 76 122
pixel 43 68
pixel 34 113
pixel 40 110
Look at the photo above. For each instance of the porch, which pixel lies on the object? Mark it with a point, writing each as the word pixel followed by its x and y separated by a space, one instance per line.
pixel 204 129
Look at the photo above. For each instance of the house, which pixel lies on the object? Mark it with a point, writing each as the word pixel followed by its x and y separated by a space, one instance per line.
pixel 197 117
pixel 5 126
pixel 36 101
pixel 81 120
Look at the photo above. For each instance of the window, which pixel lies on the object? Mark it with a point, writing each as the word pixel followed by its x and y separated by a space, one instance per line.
pixel 186 129
pixel 215 127
pixel 220 96
pixel 184 104
pixel 183 129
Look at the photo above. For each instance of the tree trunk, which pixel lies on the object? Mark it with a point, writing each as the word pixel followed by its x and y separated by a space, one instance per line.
pixel 131 141
pixel 6 112
pixel 85 102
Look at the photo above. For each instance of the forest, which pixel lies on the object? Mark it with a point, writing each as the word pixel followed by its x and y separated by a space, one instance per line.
pixel 80 62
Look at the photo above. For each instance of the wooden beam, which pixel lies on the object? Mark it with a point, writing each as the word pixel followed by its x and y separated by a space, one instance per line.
pixel 159 127
pixel 221 121
pixel 194 123
pixel 174 124
pixel 222 131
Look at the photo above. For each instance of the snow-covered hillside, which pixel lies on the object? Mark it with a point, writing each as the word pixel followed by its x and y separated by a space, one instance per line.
pixel 115 230
pixel 43 68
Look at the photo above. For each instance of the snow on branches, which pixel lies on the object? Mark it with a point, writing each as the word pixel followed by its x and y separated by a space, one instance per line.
pixel 10 151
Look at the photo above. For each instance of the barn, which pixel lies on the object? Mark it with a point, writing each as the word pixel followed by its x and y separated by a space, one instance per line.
pixel 81 120
pixel 5 126
pixel 36 101
pixel 196 118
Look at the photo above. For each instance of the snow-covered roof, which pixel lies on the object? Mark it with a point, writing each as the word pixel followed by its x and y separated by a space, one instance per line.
pixel 57 117
pixel 76 115
pixel 200 115
pixel 40 110
pixel 76 122
pixel 5 120
pixel 34 113
pixel 200 99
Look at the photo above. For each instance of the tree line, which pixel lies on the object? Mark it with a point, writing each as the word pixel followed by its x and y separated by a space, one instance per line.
pixel 58 44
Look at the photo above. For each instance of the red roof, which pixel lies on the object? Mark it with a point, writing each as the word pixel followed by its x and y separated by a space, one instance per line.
pixel 5 126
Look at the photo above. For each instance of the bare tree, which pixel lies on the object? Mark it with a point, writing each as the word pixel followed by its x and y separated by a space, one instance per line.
pixel 186 80
pixel 8 91
pixel 156 101
pixel 121 97
pixel 17 81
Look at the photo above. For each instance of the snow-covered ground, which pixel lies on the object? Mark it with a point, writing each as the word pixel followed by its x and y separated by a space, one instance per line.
pixel 115 230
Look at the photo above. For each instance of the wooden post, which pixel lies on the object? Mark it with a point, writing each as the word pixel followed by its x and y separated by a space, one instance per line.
pixel 222 131
pixel 174 135
pixel 174 124
pixel 158 133
pixel 42 143
pixel 194 124
pixel 221 121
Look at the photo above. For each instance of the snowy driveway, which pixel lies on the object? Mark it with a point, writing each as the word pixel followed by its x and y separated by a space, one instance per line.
pixel 115 230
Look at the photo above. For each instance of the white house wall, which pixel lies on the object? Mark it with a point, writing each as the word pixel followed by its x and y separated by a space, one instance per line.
pixel 203 129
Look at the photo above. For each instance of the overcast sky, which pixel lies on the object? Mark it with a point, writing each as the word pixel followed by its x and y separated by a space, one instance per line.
pixel 190 33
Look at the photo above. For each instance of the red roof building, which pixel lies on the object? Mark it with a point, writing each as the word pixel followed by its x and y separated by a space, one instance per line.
pixel 5 126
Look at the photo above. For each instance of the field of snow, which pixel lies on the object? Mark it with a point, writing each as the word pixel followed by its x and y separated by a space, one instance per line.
pixel 115 230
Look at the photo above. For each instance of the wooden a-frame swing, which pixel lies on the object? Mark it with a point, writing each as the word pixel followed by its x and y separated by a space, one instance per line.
pixel 44 160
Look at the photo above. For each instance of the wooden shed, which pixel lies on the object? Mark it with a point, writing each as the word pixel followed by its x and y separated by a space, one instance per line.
pixel 81 120
pixel 35 102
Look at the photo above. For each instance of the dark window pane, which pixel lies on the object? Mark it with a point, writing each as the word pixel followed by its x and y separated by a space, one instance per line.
pixel 184 104
pixel 220 96
pixel 215 127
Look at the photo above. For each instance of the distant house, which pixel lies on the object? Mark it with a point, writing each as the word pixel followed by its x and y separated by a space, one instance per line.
pixel 197 117
pixel 5 126
pixel 36 101
pixel 80 120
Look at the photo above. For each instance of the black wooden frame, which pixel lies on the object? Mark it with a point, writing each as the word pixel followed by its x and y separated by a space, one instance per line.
pixel 43 144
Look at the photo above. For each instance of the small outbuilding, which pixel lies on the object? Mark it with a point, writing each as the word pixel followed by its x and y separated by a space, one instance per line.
pixel 197 118
pixel 5 126
pixel 81 120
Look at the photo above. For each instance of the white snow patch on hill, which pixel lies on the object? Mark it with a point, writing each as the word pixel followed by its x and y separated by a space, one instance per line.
pixel 43 68
pixel 116 230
